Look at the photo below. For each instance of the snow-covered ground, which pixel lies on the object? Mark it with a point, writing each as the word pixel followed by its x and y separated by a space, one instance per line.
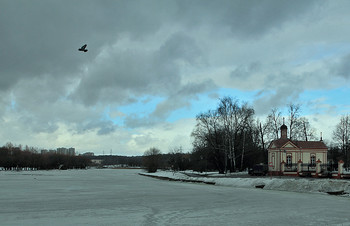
pixel 242 180
pixel 123 197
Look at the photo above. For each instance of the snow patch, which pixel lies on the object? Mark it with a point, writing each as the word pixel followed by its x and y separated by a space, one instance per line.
pixel 304 185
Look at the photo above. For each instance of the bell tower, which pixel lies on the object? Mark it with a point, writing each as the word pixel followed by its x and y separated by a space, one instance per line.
pixel 284 130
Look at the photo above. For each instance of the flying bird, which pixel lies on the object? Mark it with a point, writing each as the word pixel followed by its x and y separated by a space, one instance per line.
pixel 83 48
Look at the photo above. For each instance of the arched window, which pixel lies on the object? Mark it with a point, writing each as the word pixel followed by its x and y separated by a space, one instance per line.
pixel 313 160
pixel 289 160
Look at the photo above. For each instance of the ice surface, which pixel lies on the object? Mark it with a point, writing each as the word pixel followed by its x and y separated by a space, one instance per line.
pixel 122 197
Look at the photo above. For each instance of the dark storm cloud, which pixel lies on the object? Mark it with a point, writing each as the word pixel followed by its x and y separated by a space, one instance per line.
pixel 279 97
pixel 244 71
pixel 136 49
pixel 281 89
pixel 104 127
pixel 137 72
pixel 179 99
pixel 179 47
pixel 342 67
pixel 246 19
pixel 38 39
pixel 40 61
pixel 41 37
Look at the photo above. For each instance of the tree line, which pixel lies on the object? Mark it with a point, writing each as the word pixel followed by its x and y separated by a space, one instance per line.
pixel 12 157
pixel 128 161
pixel 231 138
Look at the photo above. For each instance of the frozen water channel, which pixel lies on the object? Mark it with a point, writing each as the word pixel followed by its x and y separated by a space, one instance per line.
pixel 122 197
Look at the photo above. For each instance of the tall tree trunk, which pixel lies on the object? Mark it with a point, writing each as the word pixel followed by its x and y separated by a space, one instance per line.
pixel 242 157
pixel 305 131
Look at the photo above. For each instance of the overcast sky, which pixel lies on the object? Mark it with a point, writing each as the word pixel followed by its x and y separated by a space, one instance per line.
pixel 152 66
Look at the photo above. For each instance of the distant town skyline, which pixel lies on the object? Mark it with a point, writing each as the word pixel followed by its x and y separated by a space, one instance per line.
pixel 152 66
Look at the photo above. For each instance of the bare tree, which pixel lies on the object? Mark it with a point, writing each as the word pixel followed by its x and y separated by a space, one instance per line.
pixel 263 132
pixel 293 110
pixel 228 111
pixel 341 134
pixel 177 159
pixel 305 131
pixel 208 136
pixel 299 127
pixel 246 127
pixel 243 149
pixel 207 129
pixel 274 122
pixel 151 159
pixel 221 130
pixel 9 145
pixel 235 119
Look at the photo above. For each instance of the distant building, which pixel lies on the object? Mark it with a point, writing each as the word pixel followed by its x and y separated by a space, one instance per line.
pixel 66 151
pixel 45 151
pixel 88 154
pixel 97 161
pixel 292 157
pixel 71 151
pixel 61 151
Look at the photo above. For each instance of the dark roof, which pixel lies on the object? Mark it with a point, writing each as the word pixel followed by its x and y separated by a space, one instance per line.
pixel 310 144
pixel 299 144
pixel 284 127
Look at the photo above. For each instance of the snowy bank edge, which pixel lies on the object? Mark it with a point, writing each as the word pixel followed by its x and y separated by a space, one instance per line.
pixel 280 184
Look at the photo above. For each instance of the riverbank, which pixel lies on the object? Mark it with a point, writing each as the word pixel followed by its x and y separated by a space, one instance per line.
pixel 243 180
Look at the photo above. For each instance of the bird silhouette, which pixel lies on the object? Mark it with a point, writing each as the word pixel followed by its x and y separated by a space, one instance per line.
pixel 83 48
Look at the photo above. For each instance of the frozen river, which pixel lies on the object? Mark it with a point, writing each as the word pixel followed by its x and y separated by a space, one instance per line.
pixel 122 197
